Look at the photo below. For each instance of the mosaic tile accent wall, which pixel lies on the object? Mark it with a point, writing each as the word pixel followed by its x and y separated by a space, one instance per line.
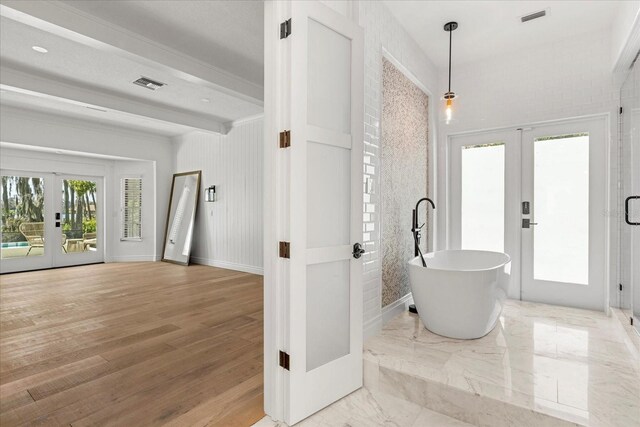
pixel 403 177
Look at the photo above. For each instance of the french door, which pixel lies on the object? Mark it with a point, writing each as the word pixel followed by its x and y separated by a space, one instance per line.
pixel 50 220
pixel 564 231
pixel 538 194
pixel 324 325
pixel 484 181
pixel 78 217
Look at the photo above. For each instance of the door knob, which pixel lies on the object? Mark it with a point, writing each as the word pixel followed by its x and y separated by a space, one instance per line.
pixel 358 251
pixel 526 223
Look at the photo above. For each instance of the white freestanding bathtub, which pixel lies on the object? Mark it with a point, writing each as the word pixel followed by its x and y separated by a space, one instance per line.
pixel 460 294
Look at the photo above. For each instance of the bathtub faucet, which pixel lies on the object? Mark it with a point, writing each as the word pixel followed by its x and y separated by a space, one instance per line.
pixel 415 228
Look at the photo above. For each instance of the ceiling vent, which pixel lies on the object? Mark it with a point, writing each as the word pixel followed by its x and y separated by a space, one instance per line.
pixel 148 83
pixel 532 16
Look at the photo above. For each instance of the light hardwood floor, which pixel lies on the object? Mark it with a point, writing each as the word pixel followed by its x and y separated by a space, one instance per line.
pixel 132 344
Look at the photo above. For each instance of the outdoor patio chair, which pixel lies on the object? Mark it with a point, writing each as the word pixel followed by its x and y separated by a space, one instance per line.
pixel 89 240
pixel 34 233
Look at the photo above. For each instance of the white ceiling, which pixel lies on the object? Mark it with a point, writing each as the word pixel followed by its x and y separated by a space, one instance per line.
pixel 214 50
pixel 209 59
pixel 85 66
pixel 493 28
pixel 226 34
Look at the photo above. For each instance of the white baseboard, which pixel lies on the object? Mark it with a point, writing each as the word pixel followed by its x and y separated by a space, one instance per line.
pixel 372 327
pixel 395 308
pixel 228 265
pixel 375 325
pixel 131 258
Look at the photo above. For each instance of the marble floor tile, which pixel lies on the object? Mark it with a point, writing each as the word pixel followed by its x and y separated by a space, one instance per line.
pixel 632 339
pixel 541 366
pixel 428 418
pixel 364 408
pixel 577 365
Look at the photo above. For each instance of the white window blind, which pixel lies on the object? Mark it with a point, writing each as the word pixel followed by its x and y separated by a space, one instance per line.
pixel 131 208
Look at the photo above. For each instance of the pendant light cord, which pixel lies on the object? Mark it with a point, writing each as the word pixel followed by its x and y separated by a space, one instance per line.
pixel 450 40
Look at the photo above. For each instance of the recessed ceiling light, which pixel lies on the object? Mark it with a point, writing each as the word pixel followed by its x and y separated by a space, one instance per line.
pixel 207 100
pixel 39 49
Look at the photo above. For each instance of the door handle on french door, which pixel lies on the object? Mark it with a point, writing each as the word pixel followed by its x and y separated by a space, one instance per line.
pixel 358 251
pixel 626 210
pixel 526 223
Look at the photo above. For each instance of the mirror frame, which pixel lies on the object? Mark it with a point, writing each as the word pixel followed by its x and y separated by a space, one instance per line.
pixel 195 211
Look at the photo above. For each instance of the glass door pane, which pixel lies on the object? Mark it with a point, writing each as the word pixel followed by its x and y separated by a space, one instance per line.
pixel 561 204
pixel 78 216
pixel 23 213
pixel 629 196
pixel 483 197
pixel 328 195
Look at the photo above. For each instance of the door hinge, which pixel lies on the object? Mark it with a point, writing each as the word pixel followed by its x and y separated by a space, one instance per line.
pixel 285 29
pixel 620 110
pixel 620 286
pixel 284 360
pixel 631 320
pixel 284 249
pixel 285 139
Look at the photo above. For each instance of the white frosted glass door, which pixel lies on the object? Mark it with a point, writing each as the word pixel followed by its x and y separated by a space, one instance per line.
pixel 483 199
pixel 483 190
pixel 563 181
pixel 324 326
pixel 561 201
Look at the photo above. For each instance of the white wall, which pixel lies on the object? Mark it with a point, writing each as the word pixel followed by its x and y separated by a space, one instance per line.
pixel 569 78
pixel 383 31
pixel 228 232
pixel 31 128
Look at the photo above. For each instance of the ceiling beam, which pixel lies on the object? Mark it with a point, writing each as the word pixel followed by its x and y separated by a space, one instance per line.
pixel 63 20
pixel 41 85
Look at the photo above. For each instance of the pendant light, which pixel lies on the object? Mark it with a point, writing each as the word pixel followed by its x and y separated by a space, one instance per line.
pixel 449 96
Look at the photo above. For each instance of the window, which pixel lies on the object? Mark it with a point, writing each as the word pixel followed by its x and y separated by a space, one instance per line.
pixel 561 208
pixel 483 197
pixel 131 208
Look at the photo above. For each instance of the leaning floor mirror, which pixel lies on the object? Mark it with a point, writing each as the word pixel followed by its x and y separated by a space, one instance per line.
pixel 181 217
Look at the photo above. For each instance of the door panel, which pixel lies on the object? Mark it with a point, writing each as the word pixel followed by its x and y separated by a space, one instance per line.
pixel 79 202
pixel 26 226
pixel 633 214
pixel 484 187
pixel 325 292
pixel 563 250
pixel 560 205
pixel 483 197
pixel 328 301
pixel 328 196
